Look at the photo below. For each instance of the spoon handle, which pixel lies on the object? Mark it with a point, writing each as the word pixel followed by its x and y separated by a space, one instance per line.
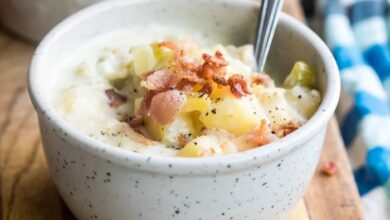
pixel 268 19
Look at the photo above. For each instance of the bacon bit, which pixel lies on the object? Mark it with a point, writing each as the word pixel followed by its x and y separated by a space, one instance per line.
pixel 115 99
pixel 162 80
pixel 183 140
pixel 261 134
pixel 213 65
pixel 256 138
pixel 186 75
pixel 238 86
pixel 194 66
pixel 166 105
pixel 285 129
pixel 216 61
pixel 179 48
pixel 158 80
pixel 329 168
pixel 220 80
pixel 168 44
pixel 136 121
pixel 261 79
pixel 145 104
pixel 206 89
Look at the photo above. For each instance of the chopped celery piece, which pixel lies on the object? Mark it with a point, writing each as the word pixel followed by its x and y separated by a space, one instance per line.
pixel 162 53
pixel 302 74
pixel 118 80
pixel 144 59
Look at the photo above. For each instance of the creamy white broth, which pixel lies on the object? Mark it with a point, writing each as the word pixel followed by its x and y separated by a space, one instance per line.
pixel 82 79
pixel 91 114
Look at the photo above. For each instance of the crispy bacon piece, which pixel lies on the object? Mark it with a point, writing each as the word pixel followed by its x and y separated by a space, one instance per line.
pixel 138 119
pixel 180 63
pixel 183 140
pixel 187 75
pixel 329 168
pixel 220 80
pixel 115 99
pixel 213 65
pixel 216 61
pixel 145 104
pixel 261 79
pixel 238 86
pixel 185 86
pixel 168 44
pixel 206 89
pixel 158 80
pixel 184 63
pixel 256 138
pixel 166 105
pixel 162 80
pixel 285 129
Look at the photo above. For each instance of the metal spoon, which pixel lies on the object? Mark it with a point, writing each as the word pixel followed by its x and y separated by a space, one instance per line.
pixel 268 19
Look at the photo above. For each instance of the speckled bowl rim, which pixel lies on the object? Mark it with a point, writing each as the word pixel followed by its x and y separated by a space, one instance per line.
pixel 179 165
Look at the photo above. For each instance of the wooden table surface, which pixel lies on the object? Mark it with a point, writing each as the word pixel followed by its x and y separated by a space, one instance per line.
pixel 28 192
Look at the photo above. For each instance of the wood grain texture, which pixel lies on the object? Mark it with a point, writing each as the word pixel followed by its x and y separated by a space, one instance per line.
pixel 27 191
pixel 339 195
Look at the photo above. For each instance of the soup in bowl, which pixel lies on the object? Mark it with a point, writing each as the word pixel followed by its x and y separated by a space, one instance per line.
pixel 153 110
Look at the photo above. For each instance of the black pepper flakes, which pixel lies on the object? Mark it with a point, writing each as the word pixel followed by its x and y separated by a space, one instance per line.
pixel 214 111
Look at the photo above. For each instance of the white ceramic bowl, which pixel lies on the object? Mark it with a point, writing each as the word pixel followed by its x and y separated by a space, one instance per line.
pixel 105 182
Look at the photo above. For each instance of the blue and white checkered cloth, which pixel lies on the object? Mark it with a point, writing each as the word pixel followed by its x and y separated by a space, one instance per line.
pixel 357 33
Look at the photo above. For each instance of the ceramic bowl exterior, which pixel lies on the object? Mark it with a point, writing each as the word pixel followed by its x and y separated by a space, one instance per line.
pixel 98 181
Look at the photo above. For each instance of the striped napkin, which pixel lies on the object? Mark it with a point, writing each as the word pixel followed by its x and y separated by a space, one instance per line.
pixel 357 33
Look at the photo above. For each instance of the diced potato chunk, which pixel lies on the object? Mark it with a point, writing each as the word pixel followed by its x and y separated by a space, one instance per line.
pixel 144 59
pixel 169 134
pixel 197 102
pixel 203 146
pixel 155 130
pixel 219 92
pixel 278 110
pixel 236 116
pixel 301 74
pixel 304 100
